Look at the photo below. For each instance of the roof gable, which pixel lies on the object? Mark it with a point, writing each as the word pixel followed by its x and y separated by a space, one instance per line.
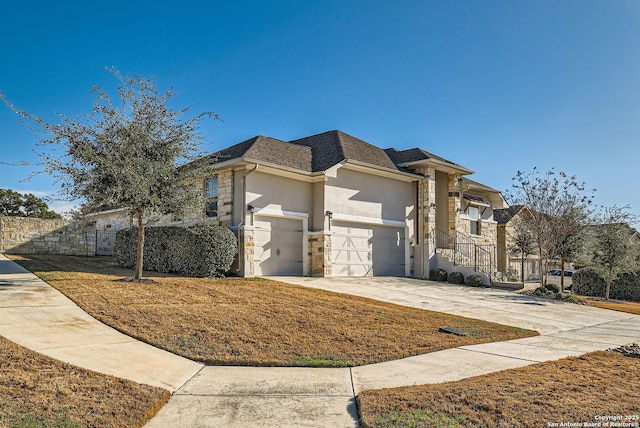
pixel 332 147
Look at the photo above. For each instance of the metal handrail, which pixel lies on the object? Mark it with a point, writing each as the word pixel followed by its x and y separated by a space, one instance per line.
pixel 463 251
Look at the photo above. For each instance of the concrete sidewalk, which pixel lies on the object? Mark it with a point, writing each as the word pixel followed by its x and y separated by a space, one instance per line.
pixel 37 316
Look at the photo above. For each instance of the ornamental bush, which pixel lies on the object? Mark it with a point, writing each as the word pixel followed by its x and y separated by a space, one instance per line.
pixel 456 278
pixel 201 251
pixel 552 287
pixel 588 282
pixel 474 281
pixel 438 275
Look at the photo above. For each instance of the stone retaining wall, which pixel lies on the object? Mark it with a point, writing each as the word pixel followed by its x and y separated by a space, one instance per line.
pixel 21 235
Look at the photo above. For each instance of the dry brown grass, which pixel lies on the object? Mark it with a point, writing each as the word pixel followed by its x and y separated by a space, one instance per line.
pixel 621 306
pixel 571 390
pixel 38 391
pixel 238 321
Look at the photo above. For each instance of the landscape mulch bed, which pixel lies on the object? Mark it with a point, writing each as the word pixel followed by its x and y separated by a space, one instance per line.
pixel 575 391
pixel 237 321
pixel 38 391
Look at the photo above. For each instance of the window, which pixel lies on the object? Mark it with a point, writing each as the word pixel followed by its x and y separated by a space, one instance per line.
pixel 211 193
pixel 474 215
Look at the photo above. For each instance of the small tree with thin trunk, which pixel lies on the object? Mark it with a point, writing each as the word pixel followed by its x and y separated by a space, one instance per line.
pixel 126 153
pixel 614 250
pixel 521 242
pixel 558 205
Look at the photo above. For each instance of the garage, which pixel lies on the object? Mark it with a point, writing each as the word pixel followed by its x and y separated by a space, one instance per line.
pixel 365 250
pixel 278 246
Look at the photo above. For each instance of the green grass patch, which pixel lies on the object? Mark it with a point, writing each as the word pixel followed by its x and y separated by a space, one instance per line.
pixel 418 418
pixel 323 361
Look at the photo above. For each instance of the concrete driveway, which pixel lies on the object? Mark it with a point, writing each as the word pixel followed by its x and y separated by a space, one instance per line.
pixel 565 329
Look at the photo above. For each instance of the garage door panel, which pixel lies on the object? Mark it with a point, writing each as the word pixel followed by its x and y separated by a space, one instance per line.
pixel 278 248
pixel 364 250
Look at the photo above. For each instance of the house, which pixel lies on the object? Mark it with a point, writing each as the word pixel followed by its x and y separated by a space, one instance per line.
pixel 510 261
pixel 333 205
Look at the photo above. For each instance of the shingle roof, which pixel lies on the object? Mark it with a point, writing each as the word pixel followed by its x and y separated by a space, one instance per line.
pixel 503 216
pixel 413 155
pixel 267 149
pixel 332 147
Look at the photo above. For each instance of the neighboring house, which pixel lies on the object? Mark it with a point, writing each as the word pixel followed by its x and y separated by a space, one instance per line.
pixel 511 261
pixel 334 205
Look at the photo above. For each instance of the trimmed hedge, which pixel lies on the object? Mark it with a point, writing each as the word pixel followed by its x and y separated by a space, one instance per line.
pixel 438 275
pixel 588 282
pixel 201 251
pixel 456 278
pixel 474 281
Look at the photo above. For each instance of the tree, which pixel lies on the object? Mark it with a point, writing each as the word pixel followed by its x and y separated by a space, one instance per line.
pixel 521 242
pixel 614 250
pixel 558 205
pixel 16 204
pixel 125 154
pixel 10 203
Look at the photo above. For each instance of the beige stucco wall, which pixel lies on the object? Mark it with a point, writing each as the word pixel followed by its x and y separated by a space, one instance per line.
pixel 112 220
pixel 360 194
pixel 279 193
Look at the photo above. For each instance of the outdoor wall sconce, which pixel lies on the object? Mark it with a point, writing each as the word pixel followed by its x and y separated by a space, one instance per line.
pixel 251 208
pixel 432 205
pixel 329 214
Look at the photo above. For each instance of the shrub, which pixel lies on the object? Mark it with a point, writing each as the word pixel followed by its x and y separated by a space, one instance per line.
pixel 438 275
pixel 588 282
pixel 456 278
pixel 202 251
pixel 552 287
pixel 474 281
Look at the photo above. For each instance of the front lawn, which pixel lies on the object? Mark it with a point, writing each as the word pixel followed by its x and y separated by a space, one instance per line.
pixel 614 305
pixel 576 390
pixel 236 321
pixel 38 391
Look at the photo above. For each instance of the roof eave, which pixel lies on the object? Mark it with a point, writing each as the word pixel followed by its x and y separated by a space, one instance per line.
pixel 439 166
pixel 380 170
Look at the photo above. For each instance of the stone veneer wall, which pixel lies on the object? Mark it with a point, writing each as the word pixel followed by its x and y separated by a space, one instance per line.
pixel 21 235
pixel 225 198
pixel 320 263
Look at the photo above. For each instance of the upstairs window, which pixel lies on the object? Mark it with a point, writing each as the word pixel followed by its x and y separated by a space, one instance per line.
pixel 211 194
pixel 474 217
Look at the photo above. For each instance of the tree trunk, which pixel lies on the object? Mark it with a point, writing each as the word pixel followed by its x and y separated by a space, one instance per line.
pixel 562 274
pixel 521 268
pixel 541 266
pixel 607 289
pixel 140 253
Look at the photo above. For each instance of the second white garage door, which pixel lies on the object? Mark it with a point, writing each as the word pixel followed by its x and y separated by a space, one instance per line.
pixel 278 246
pixel 366 250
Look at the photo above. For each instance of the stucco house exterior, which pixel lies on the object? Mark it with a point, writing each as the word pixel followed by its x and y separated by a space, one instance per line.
pixel 333 205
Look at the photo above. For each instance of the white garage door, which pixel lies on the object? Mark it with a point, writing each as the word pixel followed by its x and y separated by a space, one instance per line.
pixel 278 246
pixel 365 250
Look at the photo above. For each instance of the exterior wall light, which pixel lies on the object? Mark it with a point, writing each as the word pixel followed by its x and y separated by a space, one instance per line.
pixel 251 208
pixel 329 214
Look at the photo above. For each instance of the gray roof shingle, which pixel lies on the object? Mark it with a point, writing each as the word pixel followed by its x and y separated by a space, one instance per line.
pixel 503 216
pixel 332 147
pixel 413 155
pixel 269 150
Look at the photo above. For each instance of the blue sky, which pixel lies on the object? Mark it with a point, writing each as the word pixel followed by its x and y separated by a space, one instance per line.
pixel 497 86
